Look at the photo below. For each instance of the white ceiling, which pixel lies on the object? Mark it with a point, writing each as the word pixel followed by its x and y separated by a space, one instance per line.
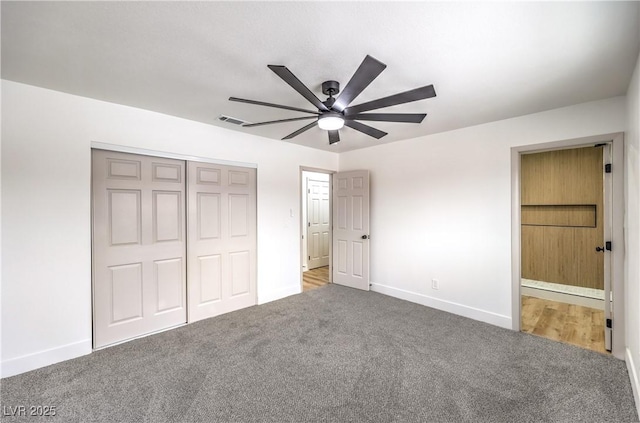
pixel 487 61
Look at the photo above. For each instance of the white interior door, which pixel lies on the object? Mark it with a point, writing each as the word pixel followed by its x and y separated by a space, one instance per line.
pixel 222 239
pixel 607 209
pixel 317 223
pixel 351 229
pixel 138 245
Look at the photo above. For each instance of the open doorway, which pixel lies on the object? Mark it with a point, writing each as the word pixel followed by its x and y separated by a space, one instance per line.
pixel 316 229
pixel 565 259
pixel 613 185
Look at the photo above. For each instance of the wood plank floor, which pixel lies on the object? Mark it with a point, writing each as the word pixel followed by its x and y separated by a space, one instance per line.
pixel 573 324
pixel 315 278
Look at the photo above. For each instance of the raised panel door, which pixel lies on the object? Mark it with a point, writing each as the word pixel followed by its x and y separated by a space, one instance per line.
pixel 139 273
pixel 351 230
pixel 317 223
pixel 221 211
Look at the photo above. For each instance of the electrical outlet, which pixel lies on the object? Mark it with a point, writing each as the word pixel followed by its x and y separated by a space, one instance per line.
pixel 435 284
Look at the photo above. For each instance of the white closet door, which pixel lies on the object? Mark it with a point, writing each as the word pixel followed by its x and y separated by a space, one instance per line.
pixel 318 223
pixel 222 239
pixel 139 271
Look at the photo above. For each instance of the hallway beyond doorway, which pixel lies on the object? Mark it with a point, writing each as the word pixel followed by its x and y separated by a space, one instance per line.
pixel 315 278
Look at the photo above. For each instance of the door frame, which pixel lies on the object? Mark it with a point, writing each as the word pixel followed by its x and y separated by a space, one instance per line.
pixel 617 228
pixel 303 229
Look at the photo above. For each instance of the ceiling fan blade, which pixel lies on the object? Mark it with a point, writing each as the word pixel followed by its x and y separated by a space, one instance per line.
pixel 279 106
pixel 251 125
pixel 334 137
pixel 389 117
pixel 406 97
pixel 300 131
pixel 369 70
pixel 297 85
pixel 365 129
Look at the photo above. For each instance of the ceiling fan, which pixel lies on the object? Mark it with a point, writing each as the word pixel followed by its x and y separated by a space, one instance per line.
pixel 334 113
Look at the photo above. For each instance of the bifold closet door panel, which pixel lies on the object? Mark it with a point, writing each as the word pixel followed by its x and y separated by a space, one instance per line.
pixel 139 258
pixel 221 211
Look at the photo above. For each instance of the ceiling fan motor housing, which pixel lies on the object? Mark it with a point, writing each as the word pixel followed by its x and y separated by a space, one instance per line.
pixel 330 88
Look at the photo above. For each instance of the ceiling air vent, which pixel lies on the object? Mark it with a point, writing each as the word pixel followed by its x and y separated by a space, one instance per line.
pixel 231 120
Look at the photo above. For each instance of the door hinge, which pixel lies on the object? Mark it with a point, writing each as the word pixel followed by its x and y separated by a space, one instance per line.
pixel 308 191
pixel 309 257
pixel 309 224
pixel 607 245
pixel 609 323
pixel 607 168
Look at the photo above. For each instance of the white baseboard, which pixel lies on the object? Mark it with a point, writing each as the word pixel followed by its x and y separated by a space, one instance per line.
pixel 15 366
pixel 279 294
pixel 561 297
pixel 448 306
pixel 633 378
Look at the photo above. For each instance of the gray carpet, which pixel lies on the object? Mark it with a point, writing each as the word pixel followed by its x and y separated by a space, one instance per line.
pixel 332 355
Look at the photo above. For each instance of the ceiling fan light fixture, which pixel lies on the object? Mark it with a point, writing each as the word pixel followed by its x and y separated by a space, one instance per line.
pixel 331 121
pixel 332 114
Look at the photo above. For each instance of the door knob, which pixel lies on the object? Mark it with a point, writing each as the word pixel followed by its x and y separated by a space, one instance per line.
pixel 599 249
pixel 365 236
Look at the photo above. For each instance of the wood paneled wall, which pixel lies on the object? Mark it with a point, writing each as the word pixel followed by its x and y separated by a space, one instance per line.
pixel 562 215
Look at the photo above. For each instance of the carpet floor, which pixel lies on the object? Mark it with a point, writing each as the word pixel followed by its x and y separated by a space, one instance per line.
pixel 332 354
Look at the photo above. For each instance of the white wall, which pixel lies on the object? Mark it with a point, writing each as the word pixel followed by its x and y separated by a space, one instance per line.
pixel 441 207
pixel 46 234
pixel 632 224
